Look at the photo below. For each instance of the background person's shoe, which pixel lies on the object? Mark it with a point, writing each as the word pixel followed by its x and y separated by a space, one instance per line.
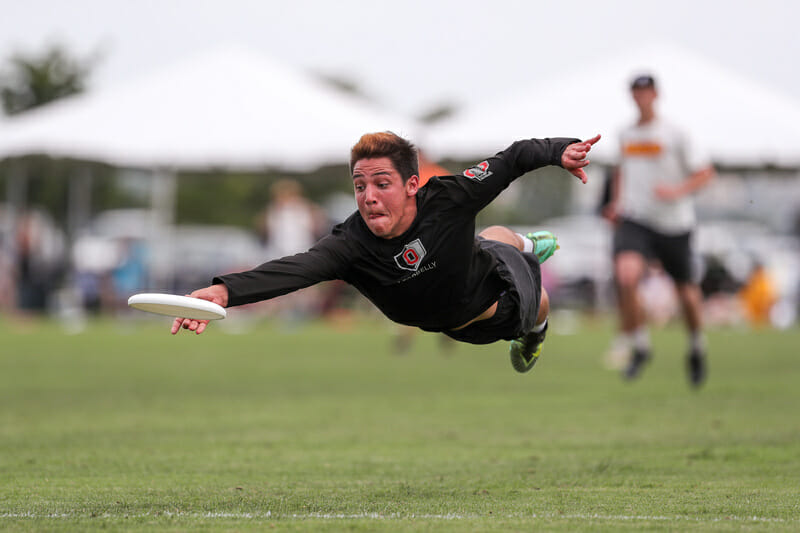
pixel 696 367
pixel 638 359
pixel 545 244
pixel 525 350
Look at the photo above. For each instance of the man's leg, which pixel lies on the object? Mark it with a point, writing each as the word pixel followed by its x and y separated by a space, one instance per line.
pixel 541 243
pixel 675 254
pixel 692 304
pixel 544 308
pixel 524 351
pixel 629 268
pixel 503 234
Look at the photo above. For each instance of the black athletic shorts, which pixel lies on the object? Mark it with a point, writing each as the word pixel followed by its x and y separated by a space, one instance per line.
pixel 518 305
pixel 673 251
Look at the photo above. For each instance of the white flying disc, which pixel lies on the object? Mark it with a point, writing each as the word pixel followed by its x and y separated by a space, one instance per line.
pixel 177 306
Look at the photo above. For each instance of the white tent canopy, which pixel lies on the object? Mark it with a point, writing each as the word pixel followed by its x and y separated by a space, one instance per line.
pixel 737 121
pixel 230 108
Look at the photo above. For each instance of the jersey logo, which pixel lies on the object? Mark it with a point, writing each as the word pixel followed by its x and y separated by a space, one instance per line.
pixel 411 256
pixel 642 149
pixel 479 172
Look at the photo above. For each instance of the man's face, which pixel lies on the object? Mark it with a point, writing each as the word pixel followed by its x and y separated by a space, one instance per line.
pixel 386 204
pixel 644 98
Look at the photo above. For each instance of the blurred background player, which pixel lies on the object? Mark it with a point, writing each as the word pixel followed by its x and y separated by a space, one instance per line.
pixel 653 213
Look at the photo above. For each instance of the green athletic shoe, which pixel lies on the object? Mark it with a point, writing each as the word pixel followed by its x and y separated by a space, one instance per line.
pixel 525 350
pixel 545 244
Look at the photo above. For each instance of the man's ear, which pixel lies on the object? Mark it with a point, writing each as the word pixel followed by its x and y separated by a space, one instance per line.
pixel 412 185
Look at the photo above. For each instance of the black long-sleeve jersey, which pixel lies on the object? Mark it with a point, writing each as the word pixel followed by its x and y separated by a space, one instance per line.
pixel 434 276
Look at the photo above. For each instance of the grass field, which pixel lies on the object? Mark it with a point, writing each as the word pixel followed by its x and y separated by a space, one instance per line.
pixel 327 429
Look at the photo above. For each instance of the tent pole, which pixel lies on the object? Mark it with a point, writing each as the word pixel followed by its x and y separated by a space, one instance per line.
pixel 79 202
pixel 17 198
pixel 162 208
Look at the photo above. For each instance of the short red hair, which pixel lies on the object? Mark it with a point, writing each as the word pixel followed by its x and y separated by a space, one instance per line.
pixel 400 152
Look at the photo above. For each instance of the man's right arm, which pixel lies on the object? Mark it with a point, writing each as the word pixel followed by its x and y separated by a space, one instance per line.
pixel 275 278
pixel 327 260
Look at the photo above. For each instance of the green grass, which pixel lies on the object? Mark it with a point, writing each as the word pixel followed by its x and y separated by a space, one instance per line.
pixel 326 429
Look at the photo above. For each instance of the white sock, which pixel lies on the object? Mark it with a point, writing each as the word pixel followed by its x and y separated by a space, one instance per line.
pixel 527 244
pixel 539 327
pixel 697 341
pixel 641 338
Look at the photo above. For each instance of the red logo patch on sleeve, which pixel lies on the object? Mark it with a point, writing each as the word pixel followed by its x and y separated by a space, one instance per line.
pixel 478 172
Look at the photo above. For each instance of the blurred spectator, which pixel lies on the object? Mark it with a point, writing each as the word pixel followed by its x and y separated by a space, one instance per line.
pixel 7 292
pixel 650 204
pixel 758 296
pixel 39 260
pixel 94 258
pixel 129 276
pixel 717 278
pixel 291 224
pixel 719 288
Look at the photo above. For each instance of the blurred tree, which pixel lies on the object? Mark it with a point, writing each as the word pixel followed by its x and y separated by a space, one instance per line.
pixel 438 112
pixel 343 84
pixel 237 198
pixel 32 80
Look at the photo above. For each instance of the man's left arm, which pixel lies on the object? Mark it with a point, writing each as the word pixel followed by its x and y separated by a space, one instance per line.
pixel 490 177
pixel 531 154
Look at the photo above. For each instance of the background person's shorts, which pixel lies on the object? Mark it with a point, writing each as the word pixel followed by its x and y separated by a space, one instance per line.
pixel 673 251
pixel 518 305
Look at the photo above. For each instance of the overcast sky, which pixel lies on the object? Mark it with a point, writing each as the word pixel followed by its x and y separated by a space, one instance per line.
pixel 411 55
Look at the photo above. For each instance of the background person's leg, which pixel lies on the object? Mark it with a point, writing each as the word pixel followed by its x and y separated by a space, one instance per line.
pixel 692 304
pixel 629 268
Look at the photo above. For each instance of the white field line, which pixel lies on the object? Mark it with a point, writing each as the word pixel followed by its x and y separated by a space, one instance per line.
pixel 397 516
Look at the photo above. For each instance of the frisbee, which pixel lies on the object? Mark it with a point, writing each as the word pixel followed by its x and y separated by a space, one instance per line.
pixel 177 306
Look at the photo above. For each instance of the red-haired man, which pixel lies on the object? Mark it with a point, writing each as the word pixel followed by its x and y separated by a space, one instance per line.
pixel 412 250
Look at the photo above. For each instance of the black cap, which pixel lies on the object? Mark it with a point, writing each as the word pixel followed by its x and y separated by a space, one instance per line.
pixel 644 81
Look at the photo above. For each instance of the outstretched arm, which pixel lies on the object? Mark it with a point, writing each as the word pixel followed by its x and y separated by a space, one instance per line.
pixel 329 259
pixel 476 187
pixel 574 157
